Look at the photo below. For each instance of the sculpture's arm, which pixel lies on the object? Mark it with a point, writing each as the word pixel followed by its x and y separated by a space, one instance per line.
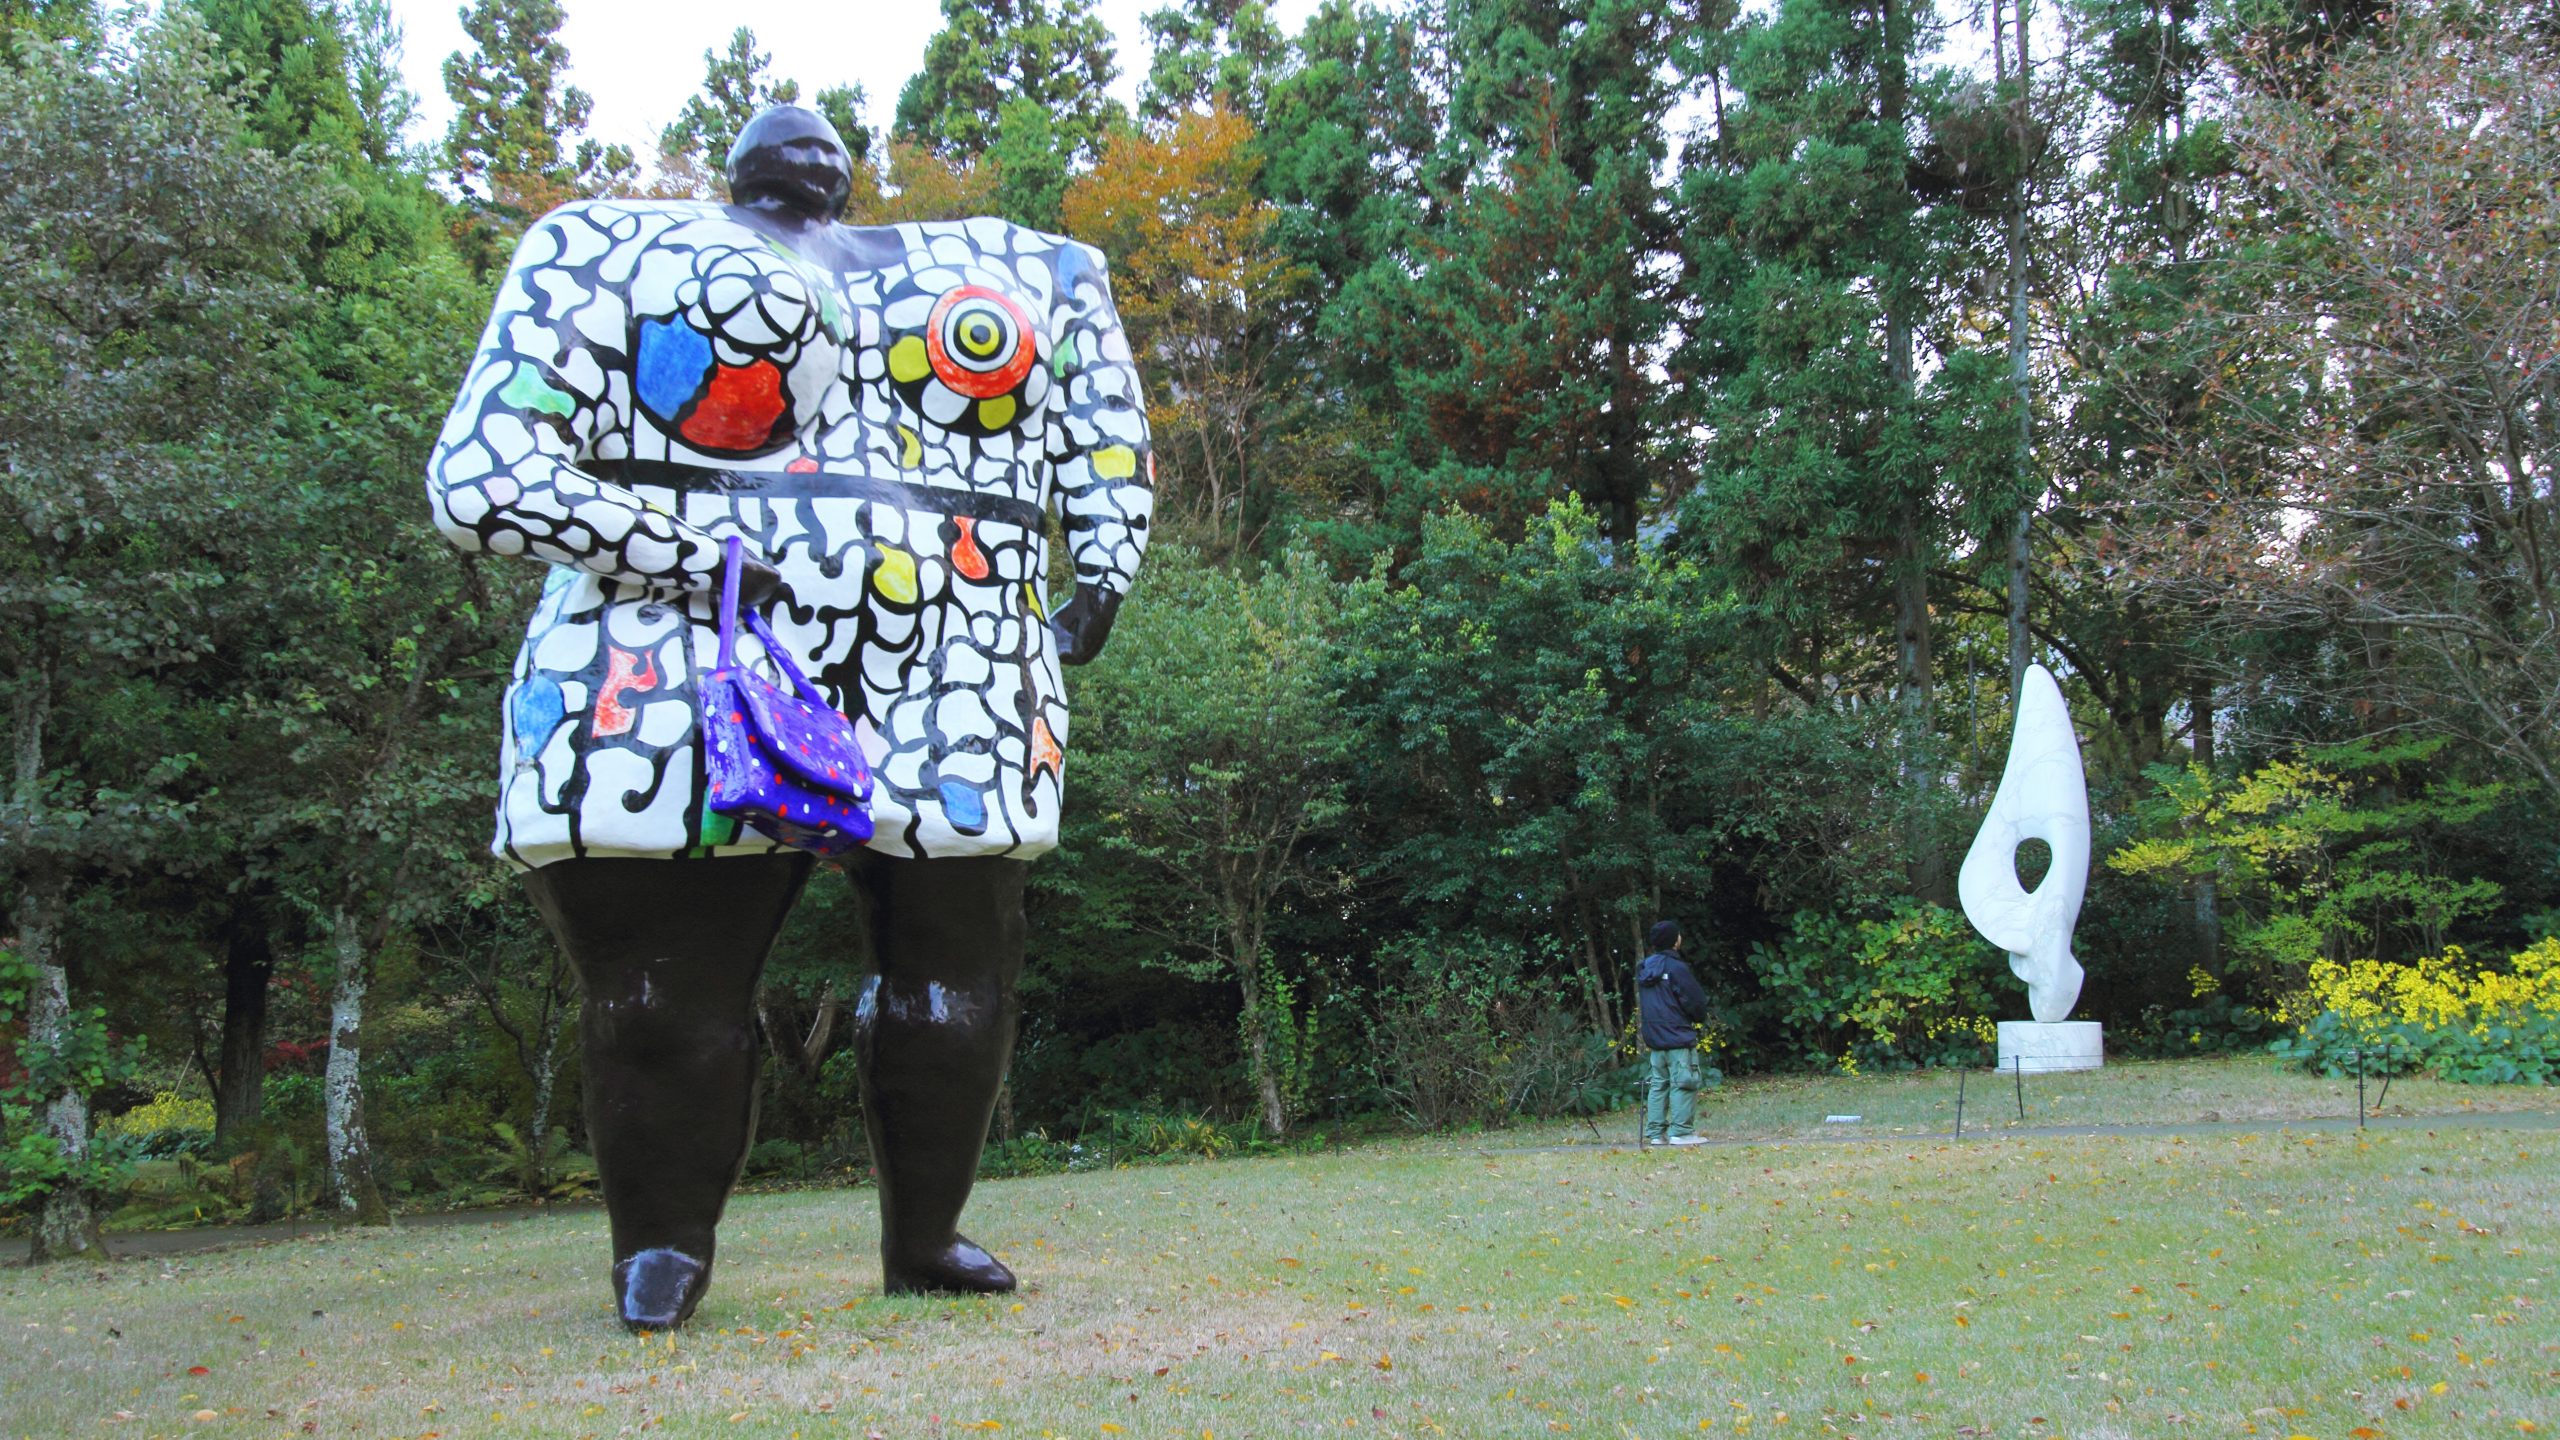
pixel 1102 468
pixel 550 386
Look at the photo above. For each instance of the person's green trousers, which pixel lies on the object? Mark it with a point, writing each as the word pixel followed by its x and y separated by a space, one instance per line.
pixel 1670 1093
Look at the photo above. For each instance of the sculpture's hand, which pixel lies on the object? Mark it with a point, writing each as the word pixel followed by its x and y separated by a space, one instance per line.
pixel 759 584
pixel 1083 623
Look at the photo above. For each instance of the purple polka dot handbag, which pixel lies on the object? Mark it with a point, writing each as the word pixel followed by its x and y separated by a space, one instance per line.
pixel 780 760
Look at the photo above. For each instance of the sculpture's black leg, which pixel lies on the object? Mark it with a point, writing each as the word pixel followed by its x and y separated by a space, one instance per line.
pixel 668 952
pixel 933 1032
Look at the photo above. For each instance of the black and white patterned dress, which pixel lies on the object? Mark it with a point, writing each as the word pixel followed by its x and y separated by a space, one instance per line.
pixel 885 414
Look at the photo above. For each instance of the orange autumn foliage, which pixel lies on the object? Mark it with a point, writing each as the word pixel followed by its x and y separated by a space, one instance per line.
pixel 1200 281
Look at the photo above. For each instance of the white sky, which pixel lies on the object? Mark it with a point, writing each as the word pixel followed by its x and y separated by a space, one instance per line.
pixel 641 58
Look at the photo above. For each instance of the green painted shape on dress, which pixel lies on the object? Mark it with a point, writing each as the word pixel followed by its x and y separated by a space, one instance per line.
pixel 830 315
pixel 527 390
pixel 1066 356
pixel 718 829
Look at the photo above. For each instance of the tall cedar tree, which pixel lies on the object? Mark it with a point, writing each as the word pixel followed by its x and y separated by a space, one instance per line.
pixel 1211 52
pixel 1830 473
pixel 1055 54
pixel 734 87
pixel 515 143
pixel 1516 335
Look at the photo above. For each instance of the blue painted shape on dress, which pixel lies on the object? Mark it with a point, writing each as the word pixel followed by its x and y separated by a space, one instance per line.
pixel 537 712
pixel 963 806
pixel 673 359
pixel 1074 268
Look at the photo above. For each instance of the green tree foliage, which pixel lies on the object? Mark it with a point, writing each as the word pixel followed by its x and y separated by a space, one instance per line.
pixel 1030 166
pixel 1538 717
pixel 2329 857
pixel 1055 54
pixel 1216 760
pixel 1211 52
pixel 150 286
pixel 1840 458
pixel 848 109
pixel 734 88
pixel 1526 343
pixel 44 20
pixel 385 105
pixel 515 141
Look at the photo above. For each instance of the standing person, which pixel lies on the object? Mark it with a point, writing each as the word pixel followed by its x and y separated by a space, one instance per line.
pixel 1672 1007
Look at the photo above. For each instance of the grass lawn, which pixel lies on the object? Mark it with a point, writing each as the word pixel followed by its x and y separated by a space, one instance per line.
pixel 2227 1283
pixel 2251 1090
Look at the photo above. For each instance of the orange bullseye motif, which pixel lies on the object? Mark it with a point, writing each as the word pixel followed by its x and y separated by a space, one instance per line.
pixel 979 342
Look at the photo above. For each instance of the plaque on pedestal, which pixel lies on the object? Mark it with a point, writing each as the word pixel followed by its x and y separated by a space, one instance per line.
pixel 2034 1047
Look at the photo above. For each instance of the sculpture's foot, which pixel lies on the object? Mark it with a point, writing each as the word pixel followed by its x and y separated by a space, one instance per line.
pixel 657 1289
pixel 960 1269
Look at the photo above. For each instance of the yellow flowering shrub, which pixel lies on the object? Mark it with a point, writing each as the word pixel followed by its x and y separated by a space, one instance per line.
pixel 2446 1013
pixel 164 1125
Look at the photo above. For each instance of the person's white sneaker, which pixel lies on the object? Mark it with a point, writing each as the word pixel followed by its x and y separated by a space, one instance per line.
pixel 1686 1140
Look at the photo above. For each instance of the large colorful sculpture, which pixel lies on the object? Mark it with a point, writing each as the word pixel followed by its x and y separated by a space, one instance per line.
pixel 887 416
pixel 2043 795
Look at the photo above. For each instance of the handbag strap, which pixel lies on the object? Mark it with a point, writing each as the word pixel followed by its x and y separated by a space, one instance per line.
pixel 757 627
pixel 781 658
pixel 729 604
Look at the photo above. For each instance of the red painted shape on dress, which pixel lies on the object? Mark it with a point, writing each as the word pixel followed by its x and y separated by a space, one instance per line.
pixel 966 557
pixel 805 465
pixel 1045 754
pixel 624 672
pixel 738 410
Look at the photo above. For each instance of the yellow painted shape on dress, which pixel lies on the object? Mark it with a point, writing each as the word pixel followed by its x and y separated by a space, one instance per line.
pixel 1031 598
pixel 996 413
pixel 910 448
pixel 894 575
pixel 908 361
pixel 1115 462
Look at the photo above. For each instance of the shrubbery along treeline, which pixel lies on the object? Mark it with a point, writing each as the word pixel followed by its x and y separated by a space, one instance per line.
pixel 1614 459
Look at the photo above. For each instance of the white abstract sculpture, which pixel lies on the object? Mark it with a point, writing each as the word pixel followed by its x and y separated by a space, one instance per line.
pixel 2044 796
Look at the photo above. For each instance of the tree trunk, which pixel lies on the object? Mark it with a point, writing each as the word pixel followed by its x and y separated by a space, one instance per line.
pixel 239 1084
pixel 350 1155
pixel 67 1225
pixel 2208 912
pixel 2021 641
pixel 1927 870
pixel 546 1073
pixel 1257 1041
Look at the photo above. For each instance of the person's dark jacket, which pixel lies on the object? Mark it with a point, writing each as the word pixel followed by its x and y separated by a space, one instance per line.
pixel 1669 1001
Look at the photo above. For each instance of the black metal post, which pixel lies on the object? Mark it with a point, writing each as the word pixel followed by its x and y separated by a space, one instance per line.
pixel 2021 1069
pixel 2359 1087
pixel 1960 1070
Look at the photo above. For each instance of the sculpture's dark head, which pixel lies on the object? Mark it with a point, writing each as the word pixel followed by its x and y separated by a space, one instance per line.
pixel 790 159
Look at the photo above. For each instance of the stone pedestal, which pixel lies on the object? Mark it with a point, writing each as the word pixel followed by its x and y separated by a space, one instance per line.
pixel 2038 1048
